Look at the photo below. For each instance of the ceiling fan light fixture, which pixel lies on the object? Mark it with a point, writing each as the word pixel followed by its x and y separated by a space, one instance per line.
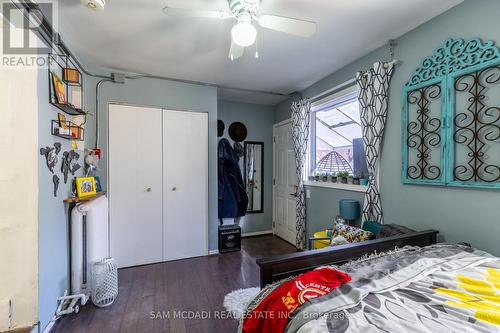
pixel 244 34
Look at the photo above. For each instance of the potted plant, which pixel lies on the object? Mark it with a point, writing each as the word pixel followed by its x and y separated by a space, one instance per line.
pixel 349 179
pixel 355 180
pixel 324 177
pixel 333 177
pixel 343 177
pixel 311 178
pixel 316 176
pixel 363 180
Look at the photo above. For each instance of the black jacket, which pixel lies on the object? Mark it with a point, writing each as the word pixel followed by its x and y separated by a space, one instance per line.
pixel 233 199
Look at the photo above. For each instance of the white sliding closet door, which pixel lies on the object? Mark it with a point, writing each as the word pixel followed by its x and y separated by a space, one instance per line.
pixel 135 184
pixel 185 184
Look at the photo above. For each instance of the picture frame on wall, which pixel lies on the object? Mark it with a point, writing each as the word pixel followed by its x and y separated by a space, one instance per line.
pixel 58 89
pixel 85 186
pixel 98 186
pixel 62 120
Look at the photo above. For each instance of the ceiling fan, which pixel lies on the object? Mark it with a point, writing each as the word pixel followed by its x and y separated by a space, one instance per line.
pixel 246 13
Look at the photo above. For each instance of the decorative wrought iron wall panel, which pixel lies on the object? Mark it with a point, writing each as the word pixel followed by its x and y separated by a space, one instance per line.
pixel 476 132
pixel 452 117
pixel 424 133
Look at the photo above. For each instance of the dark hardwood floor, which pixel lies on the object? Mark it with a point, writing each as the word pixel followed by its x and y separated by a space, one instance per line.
pixel 182 288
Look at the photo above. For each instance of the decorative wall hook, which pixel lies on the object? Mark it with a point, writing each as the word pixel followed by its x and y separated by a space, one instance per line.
pixel 57 146
pixel 55 180
pixel 50 154
pixel 65 166
pixel 69 164
pixel 74 168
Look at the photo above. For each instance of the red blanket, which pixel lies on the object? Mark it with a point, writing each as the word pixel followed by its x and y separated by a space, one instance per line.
pixel 272 314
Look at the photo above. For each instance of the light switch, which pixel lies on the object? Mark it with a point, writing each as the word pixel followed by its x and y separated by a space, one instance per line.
pixel 308 194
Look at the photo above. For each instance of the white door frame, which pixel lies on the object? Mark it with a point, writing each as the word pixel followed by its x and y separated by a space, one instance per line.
pixel 281 123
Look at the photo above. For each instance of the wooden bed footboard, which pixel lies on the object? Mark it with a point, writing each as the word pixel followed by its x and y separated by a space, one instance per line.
pixel 280 267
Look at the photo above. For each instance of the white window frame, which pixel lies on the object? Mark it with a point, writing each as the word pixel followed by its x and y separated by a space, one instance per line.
pixel 353 89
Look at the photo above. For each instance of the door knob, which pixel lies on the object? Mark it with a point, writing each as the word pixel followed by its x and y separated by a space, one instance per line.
pixel 174 188
pixel 148 189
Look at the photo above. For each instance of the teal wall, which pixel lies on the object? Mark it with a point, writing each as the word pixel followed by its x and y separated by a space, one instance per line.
pixel 323 206
pixel 259 120
pixel 460 214
pixel 52 213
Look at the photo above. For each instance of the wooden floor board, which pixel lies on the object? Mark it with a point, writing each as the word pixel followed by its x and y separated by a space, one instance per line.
pixel 198 285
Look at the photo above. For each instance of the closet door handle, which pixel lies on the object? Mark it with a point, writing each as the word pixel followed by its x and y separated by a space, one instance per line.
pixel 174 188
pixel 148 189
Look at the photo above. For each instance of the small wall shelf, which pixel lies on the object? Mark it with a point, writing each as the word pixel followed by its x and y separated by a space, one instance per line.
pixel 73 200
pixel 62 72
pixel 67 130
pixel 337 186
pixel 69 109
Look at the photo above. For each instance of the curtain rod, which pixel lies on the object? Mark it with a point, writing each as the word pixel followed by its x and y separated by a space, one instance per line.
pixel 333 90
pixel 341 86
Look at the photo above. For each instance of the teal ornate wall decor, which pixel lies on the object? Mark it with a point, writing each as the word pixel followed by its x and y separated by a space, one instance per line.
pixel 451 117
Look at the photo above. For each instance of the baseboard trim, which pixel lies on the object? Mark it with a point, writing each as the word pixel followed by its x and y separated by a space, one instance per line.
pixel 258 233
pixel 213 252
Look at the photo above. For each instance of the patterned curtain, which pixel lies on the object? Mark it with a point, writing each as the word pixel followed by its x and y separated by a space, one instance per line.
pixel 373 98
pixel 301 115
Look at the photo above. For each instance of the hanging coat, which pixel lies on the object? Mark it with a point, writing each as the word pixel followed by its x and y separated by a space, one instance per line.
pixel 233 199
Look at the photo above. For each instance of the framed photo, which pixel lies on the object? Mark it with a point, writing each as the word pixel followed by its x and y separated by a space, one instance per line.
pixel 85 186
pixel 98 186
pixel 62 120
pixel 71 75
pixel 58 89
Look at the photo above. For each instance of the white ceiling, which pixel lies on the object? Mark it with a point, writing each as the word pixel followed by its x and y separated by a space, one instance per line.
pixel 135 36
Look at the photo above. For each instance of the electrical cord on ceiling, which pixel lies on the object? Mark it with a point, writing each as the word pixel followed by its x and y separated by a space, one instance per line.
pixel 45 31
pixel 97 86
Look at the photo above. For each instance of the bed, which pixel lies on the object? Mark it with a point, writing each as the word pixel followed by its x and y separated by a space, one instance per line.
pixel 279 267
pixel 435 288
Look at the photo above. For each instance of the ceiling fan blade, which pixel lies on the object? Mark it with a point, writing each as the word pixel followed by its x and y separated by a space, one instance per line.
pixel 236 51
pixel 288 25
pixel 187 12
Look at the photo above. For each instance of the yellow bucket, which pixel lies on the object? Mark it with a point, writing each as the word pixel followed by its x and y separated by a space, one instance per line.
pixel 320 244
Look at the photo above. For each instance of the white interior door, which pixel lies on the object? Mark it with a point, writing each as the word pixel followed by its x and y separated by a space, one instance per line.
pixel 185 184
pixel 135 190
pixel 285 183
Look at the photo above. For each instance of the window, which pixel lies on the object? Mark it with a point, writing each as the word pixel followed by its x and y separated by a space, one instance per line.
pixel 336 135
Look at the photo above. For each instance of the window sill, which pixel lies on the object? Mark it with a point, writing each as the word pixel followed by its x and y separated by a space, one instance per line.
pixel 337 186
